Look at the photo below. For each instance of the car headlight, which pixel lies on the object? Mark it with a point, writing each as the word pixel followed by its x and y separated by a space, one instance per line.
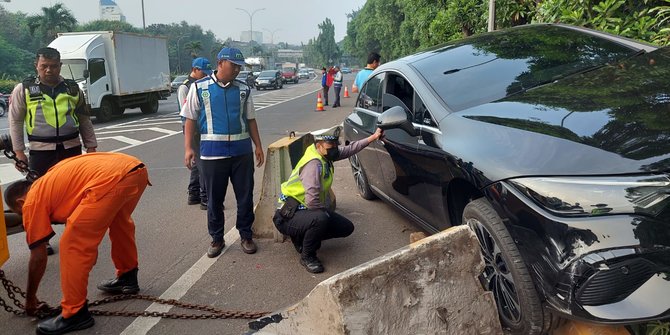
pixel 592 196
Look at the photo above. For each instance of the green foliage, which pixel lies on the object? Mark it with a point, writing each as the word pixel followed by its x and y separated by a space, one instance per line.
pixel 652 328
pixel 104 25
pixel 53 20
pixel 324 49
pixel 7 85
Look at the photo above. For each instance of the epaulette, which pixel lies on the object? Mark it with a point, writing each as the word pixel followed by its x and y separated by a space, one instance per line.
pixel 34 90
pixel 72 87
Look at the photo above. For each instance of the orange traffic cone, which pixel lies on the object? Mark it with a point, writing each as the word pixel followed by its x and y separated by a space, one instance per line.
pixel 319 103
pixel 346 92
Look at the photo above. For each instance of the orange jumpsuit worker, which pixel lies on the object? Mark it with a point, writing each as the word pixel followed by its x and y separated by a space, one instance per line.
pixel 91 193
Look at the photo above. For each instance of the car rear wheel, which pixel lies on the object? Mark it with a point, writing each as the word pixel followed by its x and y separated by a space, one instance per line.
pixel 3 110
pixel 505 273
pixel 361 179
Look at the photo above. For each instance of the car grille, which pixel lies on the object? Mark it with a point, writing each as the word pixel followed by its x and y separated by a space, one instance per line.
pixel 616 283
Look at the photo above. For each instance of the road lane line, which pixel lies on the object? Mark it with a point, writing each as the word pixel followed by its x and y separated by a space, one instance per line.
pixel 9 174
pixel 296 97
pixel 142 325
pixel 121 139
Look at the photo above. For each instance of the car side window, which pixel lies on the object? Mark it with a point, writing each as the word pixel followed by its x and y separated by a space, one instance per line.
pixel 370 97
pixel 399 92
pixel 421 113
pixel 96 69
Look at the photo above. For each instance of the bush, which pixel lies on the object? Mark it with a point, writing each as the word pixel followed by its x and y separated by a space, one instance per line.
pixel 7 85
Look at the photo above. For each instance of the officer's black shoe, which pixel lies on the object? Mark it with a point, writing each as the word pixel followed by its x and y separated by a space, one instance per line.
pixel 203 206
pixel 297 244
pixel 193 199
pixel 50 249
pixel 60 325
pixel 124 284
pixel 312 264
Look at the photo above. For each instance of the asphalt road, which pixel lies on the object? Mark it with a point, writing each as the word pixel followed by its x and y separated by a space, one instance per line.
pixel 172 236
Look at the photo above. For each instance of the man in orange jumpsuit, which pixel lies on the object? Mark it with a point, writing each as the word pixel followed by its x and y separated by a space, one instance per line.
pixel 91 193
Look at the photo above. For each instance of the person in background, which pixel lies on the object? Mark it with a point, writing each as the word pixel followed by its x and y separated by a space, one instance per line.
pixel 200 68
pixel 221 109
pixel 337 85
pixel 325 87
pixel 373 62
pixel 92 194
pixel 55 115
pixel 304 211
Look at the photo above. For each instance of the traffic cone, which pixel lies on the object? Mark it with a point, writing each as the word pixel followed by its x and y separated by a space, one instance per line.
pixel 346 92
pixel 319 103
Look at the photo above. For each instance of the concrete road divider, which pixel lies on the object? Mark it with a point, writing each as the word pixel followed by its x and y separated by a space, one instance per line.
pixel 428 287
pixel 281 156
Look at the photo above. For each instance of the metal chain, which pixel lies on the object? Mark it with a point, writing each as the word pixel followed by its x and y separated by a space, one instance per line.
pixel 46 311
pixel 31 175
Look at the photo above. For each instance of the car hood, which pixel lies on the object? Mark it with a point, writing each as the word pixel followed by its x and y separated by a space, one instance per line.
pixel 613 120
pixel 266 78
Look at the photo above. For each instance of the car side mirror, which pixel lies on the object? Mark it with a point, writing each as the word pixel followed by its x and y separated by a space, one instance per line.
pixel 395 117
pixel 86 74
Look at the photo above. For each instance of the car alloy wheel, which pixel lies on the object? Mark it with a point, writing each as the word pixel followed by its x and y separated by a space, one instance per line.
pixel 360 178
pixel 505 273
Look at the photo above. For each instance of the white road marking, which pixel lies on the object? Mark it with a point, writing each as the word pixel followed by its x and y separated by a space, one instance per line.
pixel 142 325
pixel 156 129
pixel 121 139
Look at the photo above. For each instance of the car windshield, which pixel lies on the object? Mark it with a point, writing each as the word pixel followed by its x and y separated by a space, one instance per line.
pixel 243 74
pixel 267 74
pixel 73 69
pixel 487 68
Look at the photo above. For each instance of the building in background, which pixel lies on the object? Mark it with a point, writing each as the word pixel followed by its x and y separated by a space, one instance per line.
pixel 257 36
pixel 110 11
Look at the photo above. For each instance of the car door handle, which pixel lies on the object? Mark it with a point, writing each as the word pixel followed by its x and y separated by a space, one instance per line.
pixel 355 130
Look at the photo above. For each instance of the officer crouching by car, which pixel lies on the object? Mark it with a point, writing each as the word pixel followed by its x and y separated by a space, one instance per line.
pixel 304 211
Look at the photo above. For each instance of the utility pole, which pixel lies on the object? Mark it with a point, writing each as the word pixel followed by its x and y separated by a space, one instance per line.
pixel 492 15
pixel 251 25
pixel 144 25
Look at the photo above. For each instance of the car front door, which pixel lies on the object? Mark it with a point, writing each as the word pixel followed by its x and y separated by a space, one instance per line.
pixel 414 167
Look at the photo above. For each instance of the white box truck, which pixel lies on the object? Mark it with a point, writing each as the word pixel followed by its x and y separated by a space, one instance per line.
pixel 116 70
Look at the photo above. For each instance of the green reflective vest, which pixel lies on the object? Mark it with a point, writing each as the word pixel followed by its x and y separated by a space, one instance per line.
pixel 50 119
pixel 293 186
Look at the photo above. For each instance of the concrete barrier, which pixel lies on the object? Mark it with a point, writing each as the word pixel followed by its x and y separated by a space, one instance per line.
pixel 428 287
pixel 281 157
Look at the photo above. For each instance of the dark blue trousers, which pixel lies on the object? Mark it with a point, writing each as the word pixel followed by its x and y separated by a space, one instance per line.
pixel 215 175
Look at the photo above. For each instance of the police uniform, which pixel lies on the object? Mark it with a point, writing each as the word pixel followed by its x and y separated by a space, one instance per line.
pixel 304 205
pixel 54 119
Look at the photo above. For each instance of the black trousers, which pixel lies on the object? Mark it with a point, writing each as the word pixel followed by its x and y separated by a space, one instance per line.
pixel 311 227
pixel 42 160
pixel 325 94
pixel 215 176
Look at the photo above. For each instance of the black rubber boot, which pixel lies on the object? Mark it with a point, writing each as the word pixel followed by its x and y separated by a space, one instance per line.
pixel 124 284
pixel 60 325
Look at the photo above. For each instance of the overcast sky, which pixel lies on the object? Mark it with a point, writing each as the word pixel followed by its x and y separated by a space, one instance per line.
pixel 292 21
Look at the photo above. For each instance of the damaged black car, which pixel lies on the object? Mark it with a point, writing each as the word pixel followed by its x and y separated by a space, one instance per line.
pixel 552 143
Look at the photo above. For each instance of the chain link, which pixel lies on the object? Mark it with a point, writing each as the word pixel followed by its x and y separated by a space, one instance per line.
pixel 47 311
pixel 31 175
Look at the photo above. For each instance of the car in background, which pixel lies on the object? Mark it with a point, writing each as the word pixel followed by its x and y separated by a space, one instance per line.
pixel 269 79
pixel 246 77
pixel 290 74
pixel 550 143
pixel 303 74
pixel 4 103
pixel 178 80
pixel 345 70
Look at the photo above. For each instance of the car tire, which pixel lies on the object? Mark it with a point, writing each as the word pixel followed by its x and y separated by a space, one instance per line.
pixel 519 305
pixel 361 179
pixel 3 110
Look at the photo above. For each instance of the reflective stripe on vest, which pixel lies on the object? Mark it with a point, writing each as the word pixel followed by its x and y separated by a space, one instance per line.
pixel 222 120
pixel 293 187
pixel 51 120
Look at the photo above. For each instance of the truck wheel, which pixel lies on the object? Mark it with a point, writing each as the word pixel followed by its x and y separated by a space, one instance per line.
pixel 106 111
pixel 150 107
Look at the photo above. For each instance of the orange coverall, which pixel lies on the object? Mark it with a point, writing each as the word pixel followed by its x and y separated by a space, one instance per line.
pixel 91 193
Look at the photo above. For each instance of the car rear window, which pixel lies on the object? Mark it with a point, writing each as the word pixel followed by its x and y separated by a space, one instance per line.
pixel 487 68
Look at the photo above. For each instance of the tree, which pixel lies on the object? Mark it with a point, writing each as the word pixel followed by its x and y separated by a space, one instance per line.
pixel 53 20
pixel 325 48
pixel 106 25
pixel 193 48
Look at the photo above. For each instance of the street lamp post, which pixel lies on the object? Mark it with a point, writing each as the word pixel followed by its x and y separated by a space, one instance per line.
pixel 144 26
pixel 179 53
pixel 251 24
pixel 272 34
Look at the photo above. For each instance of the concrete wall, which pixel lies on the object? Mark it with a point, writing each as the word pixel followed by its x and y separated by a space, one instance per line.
pixel 428 287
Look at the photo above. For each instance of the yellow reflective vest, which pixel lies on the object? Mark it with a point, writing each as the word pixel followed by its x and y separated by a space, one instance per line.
pixel 48 119
pixel 293 186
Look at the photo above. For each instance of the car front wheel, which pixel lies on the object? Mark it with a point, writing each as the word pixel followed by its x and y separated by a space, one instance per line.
pixel 505 273
pixel 361 179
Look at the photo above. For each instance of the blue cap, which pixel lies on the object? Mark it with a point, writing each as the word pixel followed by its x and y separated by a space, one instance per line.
pixel 231 54
pixel 203 64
